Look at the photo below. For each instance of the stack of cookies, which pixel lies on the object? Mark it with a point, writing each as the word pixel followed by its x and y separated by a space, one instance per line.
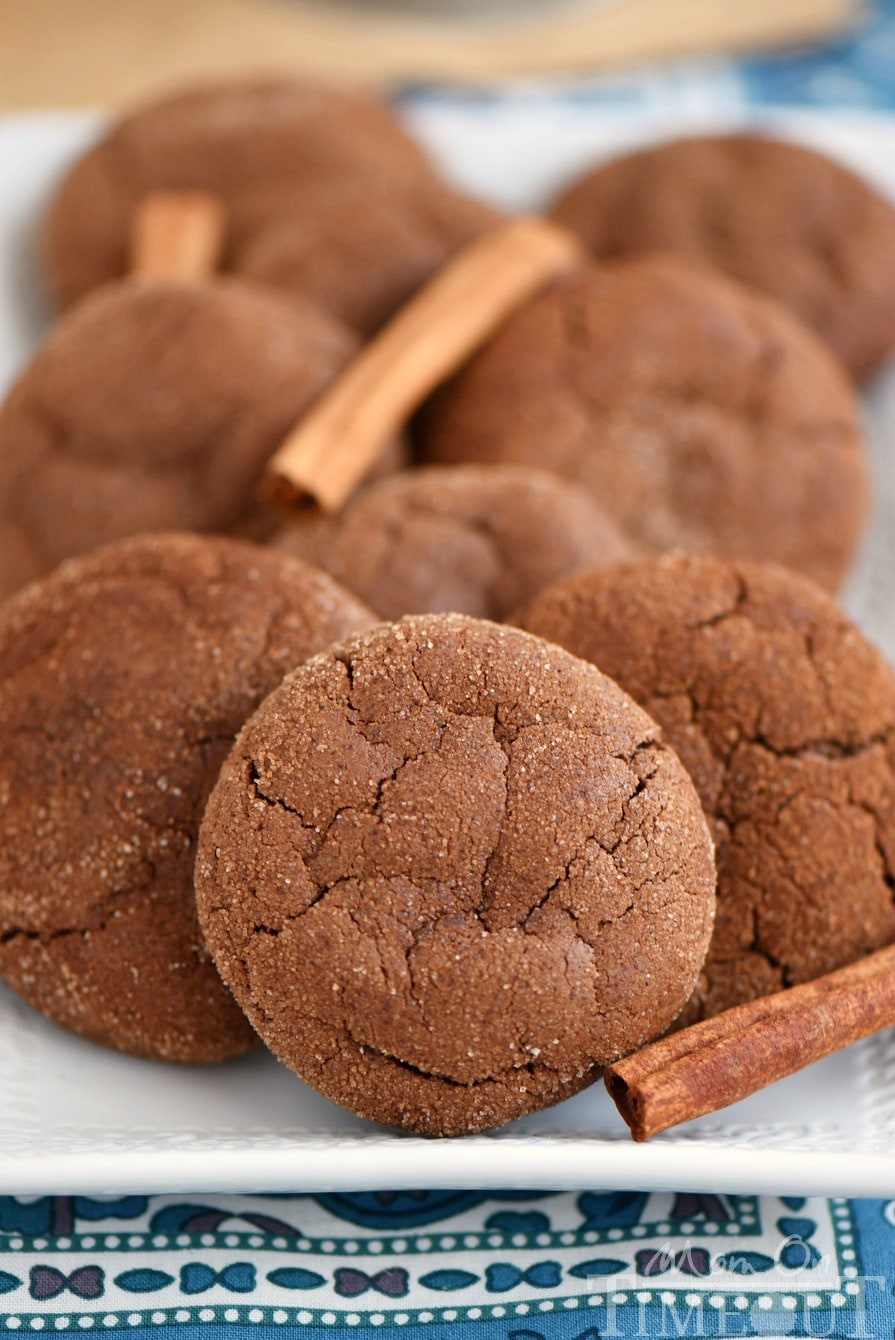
pixel 538 745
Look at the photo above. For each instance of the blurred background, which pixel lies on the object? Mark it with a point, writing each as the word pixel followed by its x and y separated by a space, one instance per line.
pixel 87 52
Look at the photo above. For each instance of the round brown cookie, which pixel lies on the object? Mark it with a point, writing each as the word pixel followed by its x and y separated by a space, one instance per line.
pixel 477 539
pixel 773 214
pixel 124 677
pixel 151 407
pixel 235 138
pixel 359 248
pixel 449 870
pixel 702 415
pixel 784 715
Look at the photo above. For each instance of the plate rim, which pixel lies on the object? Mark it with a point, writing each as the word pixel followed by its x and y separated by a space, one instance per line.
pixel 551 1161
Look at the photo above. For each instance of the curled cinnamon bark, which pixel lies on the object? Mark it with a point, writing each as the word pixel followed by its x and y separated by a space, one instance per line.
pixel 333 447
pixel 719 1061
pixel 177 235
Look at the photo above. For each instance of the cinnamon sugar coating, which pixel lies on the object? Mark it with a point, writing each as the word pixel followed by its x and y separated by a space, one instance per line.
pixel 237 138
pixel 449 870
pixel 477 540
pixel 154 407
pixel 703 416
pixel 784 716
pixel 124 677
pixel 358 248
pixel 776 215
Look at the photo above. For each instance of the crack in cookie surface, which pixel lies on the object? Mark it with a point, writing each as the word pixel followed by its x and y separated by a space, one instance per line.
pixel 124 678
pixel 784 716
pixel 477 540
pixel 677 398
pixel 470 846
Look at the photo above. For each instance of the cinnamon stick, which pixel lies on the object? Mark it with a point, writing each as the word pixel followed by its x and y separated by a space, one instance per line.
pixel 335 444
pixel 177 235
pixel 717 1062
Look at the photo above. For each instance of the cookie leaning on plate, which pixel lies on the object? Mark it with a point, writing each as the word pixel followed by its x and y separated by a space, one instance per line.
pixel 449 870
pixel 124 677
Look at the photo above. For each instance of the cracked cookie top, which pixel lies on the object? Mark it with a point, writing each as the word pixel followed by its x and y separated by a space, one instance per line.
pixel 154 407
pixel 773 214
pixel 450 870
pixel 784 715
pixel 124 678
pixel 703 416
pixel 476 540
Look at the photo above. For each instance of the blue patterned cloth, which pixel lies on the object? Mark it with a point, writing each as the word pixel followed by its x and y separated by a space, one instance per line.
pixel 501 1266
pixel 511 1266
pixel 856 71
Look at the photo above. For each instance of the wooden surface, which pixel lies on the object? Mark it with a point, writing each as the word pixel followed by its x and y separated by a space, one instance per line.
pixel 57 53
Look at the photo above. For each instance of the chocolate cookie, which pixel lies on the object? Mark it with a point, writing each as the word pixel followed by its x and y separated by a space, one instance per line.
pixel 773 214
pixel 154 407
pixel 784 715
pixel 449 870
pixel 702 415
pixel 124 677
pixel 235 138
pixel 359 248
pixel 479 540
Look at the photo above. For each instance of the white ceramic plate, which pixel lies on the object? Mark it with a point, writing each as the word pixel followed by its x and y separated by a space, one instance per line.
pixel 74 1117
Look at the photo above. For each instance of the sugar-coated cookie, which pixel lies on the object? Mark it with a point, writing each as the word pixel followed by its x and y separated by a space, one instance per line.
pixel 702 415
pixel 475 539
pixel 449 870
pixel 124 677
pixel 358 248
pixel 238 139
pixel 784 715
pixel 771 213
pixel 154 407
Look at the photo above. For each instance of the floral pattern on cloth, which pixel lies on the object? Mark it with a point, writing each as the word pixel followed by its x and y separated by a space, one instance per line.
pixel 524 1265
